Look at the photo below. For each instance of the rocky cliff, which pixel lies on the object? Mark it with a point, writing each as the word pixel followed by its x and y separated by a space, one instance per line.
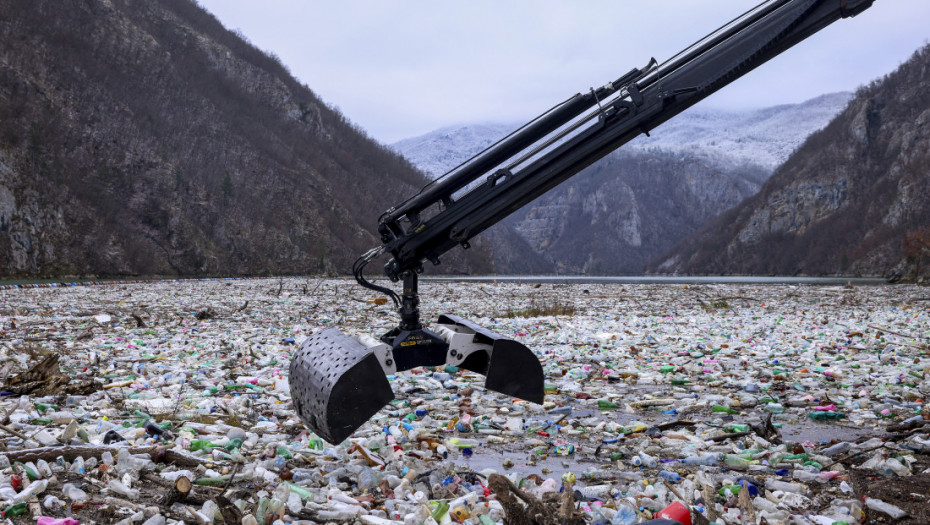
pixel 624 210
pixel 843 203
pixel 143 138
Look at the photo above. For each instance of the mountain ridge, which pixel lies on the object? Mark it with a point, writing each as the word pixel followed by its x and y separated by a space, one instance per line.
pixel 844 203
pixel 616 215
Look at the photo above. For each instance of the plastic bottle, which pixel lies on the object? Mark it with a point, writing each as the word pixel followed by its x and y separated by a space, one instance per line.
pixel 16 509
pixel 897 467
pixel 804 476
pixel 825 416
pixel 774 484
pixel 302 492
pixel 706 459
pixel 732 489
pixel 835 450
pixel 202 444
pixel 73 493
pixel 460 513
pixel 734 460
pixel 367 479
pixel 118 487
pixel 887 508
pixel 724 409
pixel 648 460
pixel 37 487
pixel 674 477
pixel 44 469
pixel 595 491
pixel 775 408
pixel 625 515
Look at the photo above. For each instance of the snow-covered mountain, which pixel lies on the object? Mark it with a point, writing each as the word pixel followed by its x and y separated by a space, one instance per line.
pixel 764 137
pixel 637 202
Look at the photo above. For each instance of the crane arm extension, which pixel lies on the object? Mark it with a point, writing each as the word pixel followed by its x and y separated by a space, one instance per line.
pixel 586 127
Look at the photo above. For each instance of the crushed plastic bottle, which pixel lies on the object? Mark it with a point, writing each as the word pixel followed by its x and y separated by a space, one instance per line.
pixel 887 508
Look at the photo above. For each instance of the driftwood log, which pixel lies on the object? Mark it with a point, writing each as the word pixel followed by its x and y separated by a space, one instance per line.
pixel 157 453
pixel 179 491
pixel 45 377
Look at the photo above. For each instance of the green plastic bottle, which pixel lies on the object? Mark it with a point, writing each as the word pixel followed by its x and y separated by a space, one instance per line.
pixel 820 415
pixel 721 408
pixel 605 405
pixel 440 508
pixel 211 482
pixel 16 510
pixel 300 491
pixel 734 489
pixel 734 460
pixel 202 444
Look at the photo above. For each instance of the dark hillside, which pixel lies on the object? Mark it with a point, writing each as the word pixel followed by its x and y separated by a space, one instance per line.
pixel 853 200
pixel 145 138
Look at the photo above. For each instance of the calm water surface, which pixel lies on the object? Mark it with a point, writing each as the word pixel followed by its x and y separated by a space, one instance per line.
pixel 581 279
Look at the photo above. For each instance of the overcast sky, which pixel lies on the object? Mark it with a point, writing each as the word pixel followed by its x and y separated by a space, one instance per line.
pixel 402 68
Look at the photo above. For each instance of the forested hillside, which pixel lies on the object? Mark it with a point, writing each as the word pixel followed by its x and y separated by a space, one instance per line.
pixel 143 138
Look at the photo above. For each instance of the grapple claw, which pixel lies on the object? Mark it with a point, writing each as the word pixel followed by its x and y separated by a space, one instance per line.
pixel 337 384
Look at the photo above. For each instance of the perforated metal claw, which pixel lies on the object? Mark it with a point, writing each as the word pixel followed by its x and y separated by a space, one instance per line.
pixel 337 384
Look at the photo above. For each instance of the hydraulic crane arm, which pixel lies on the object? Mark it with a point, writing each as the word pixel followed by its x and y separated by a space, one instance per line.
pixel 588 126
pixel 338 382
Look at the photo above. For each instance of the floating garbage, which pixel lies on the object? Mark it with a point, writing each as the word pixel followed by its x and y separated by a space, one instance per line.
pixel 780 400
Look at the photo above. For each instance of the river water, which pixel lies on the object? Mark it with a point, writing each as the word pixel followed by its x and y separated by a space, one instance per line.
pixel 648 279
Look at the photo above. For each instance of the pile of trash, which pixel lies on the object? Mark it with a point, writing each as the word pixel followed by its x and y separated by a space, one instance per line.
pixel 169 402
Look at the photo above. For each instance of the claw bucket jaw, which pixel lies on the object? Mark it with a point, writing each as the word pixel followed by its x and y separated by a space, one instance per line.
pixel 339 382
pixel 510 367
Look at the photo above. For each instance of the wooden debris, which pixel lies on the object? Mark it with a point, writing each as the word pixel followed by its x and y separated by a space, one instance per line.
pixel 230 512
pixel 45 378
pixel 178 492
pixel 522 508
pixel 70 453
pixel 724 437
pixel 745 504
pixel 708 493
